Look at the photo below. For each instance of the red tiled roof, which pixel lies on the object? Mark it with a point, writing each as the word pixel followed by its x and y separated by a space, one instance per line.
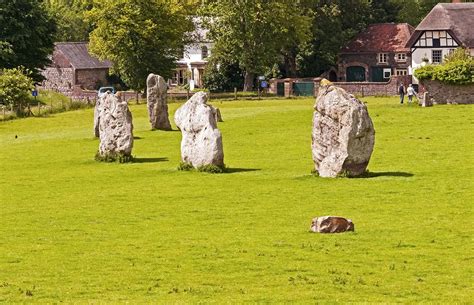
pixel 381 37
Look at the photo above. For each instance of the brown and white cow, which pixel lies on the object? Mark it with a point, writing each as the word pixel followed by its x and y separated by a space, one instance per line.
pixel 331 224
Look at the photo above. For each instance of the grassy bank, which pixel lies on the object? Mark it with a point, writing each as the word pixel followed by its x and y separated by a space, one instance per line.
pixel 75 230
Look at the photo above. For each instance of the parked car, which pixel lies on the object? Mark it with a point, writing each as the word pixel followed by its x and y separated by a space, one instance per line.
pixel 104 90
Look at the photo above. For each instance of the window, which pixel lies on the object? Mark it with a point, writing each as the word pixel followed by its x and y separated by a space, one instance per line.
pixel 436 42
pixel 436 56
pixel 400 57
pixel 204 52
pixel 387 73
pixel 399 72
pixel 382 58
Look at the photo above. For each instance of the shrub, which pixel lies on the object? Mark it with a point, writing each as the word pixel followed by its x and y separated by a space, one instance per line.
pixel 457 69
pixel 183 166
pixel 209 168
pixel 15 87
pixel 116 157
pixel 222 75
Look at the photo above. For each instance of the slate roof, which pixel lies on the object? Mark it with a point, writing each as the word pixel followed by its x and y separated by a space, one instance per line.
pixel 78 55
pixel 455 17
pixel 381 37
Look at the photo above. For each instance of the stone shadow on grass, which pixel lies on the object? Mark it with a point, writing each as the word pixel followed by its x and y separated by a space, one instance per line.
pixel 231 170
pixel 383 174
pixel 149 160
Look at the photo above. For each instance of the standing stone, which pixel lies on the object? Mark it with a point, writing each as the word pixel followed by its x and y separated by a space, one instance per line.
pixel 343 133
pixel 156 97
pixel 96 118
pixel 426 100
pixel 115 127
pixel 218 115
pixel 202 141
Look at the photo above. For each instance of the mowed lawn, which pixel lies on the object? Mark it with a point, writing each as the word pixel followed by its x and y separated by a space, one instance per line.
pixel 77 231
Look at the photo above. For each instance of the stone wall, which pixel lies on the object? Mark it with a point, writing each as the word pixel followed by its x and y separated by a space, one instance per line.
pixel 91 79
pixel 374 89
pixel 58 79
pixel 440 93
pixel 356 88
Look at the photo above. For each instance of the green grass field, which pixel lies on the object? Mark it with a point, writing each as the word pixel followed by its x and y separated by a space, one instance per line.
pixel 77 231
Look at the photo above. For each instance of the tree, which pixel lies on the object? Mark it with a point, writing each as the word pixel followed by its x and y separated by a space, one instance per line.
pixel 15 87
pixel 334 24
pixel 139 37
pixel 26 35
pixel 254 32
pixel 70 17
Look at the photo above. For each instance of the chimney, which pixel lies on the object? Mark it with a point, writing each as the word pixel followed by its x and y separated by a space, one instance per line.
pixel 456 1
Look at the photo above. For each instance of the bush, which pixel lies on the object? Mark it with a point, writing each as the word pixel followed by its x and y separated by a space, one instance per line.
pixel 15 87
pixel 457 69
pixel 223 76
pixel 119 158
pixel 209 168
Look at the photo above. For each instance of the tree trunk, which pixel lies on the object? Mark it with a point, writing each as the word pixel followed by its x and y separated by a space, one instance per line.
pixel 290 64
pixel 248 82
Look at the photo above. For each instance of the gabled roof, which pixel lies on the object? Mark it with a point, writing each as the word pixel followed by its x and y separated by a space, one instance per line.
pixel 381 37
pixel 455 17
pixel 78 55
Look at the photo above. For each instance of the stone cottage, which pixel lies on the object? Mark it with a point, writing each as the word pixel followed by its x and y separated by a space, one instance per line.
pixel 72 67
pixel 375 54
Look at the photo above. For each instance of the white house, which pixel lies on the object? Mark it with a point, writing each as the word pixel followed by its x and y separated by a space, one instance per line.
pixel 446 27
pixel 190 68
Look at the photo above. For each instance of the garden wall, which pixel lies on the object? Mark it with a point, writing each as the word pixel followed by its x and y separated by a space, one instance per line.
pixel 440 93
pixel 287 86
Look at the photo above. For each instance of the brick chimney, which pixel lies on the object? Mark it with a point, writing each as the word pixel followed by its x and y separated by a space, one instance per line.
pixel 456 1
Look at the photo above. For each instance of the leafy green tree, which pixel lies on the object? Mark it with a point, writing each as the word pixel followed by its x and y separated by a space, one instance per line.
pixel 254 32
pixel 26 35
pixel 15 87
pixel 223 75
pixel 139 37
pixel 334 24
pixel 70 17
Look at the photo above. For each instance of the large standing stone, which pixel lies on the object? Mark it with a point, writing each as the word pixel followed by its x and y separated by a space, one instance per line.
pixel 343 133
pixel 202 141
pixel 115 127
pixel 156 97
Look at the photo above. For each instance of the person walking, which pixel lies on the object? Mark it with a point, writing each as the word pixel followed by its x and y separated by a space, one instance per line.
pixel 410 92
pixel 401 91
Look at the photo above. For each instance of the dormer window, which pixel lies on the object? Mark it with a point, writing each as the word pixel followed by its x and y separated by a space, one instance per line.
pixel 401 57
pixel 204 52
pixel 382 58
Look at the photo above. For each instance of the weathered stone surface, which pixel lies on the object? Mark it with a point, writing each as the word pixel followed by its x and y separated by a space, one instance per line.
pixel 331 224
pixel 115 126
pixel 156 97
pixel 426 100
pixel 202 141
pixel 343 134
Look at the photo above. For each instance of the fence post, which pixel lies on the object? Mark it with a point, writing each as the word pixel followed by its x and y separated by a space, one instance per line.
pixel 187 93
pixel 235 93
pixel 4 118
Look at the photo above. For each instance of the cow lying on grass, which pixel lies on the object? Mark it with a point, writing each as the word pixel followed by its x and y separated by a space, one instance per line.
pixel 331 224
